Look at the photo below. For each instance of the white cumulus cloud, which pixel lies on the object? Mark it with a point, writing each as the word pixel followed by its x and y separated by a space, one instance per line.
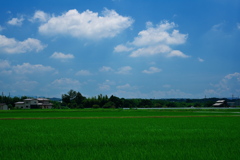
pixel 122 48
pixel 16 21
pixel 227 86
pixel 152 70
pixel 4 64
pixel 177 53
pixel 151 50
pixel 59 55
pixel 29 68
pixel 106 69
pixel 11 46
pixel 40 16
pixel 87 24
pixel 83 73
pixel 160 34
pixel 159 39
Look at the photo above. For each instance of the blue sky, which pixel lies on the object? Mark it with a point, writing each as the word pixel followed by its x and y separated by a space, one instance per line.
pixel 126 48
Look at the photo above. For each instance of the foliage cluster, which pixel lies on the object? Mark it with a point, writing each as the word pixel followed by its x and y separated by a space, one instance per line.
pixel 11 101
pixel 74 99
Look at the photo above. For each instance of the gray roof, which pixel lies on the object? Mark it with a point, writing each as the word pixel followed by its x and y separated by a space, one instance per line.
pixel 28 99
pixel 19 103
pixel 220 101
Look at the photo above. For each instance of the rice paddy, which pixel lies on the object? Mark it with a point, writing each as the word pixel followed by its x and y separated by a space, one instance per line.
pixel 119 134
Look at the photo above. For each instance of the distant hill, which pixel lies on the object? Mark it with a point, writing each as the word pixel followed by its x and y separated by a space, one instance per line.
pixel 55 99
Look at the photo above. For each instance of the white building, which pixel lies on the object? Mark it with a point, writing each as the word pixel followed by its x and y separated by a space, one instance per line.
pixel 220 103
pixel 39 103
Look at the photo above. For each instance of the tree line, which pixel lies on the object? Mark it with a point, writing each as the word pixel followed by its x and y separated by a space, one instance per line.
pixel 10 101
pixel 75 100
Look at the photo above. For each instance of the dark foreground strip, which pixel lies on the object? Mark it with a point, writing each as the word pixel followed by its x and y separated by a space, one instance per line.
pixel 118 117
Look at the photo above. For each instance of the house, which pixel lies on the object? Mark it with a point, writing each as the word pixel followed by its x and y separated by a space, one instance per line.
pixel 234 104
pixel 39 103
pixel 3 106
pixel 220 103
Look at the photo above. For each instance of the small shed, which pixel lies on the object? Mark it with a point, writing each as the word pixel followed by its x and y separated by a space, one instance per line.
pixel 3 106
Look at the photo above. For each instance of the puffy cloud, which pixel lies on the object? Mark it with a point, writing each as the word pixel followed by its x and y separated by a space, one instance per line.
pixel 159 35
pixel 83 73
pixel 156 40
pixel 152 70
pixel 40 16
pixel 106 69
pixel 27 68
pixel 177 53
pixel 229 85
pixel 11 46
pixel 86 24
pixel 122 48
pixel 217 27
pixel 16 21
pixel 124 70
pixel 4 64
pixel 59 55
pixel 4 68
pixel 151 50
pixel 231 76
pixel 121 70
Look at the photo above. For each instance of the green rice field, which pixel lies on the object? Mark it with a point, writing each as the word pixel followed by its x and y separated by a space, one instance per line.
pixel 115 134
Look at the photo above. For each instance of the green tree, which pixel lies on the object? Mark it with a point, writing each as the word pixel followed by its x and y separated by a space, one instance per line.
pixel 73 99
pixel 79 98
pixel 117 101
pixel 109 104
pixel 145 103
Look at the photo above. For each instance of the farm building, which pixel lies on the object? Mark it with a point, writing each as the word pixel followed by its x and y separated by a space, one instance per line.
pixel 39 103
pixel 234 104
pixel 220 103
pixel 3 106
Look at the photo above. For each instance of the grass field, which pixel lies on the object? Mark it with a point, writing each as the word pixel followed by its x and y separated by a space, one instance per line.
pixel 119 134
